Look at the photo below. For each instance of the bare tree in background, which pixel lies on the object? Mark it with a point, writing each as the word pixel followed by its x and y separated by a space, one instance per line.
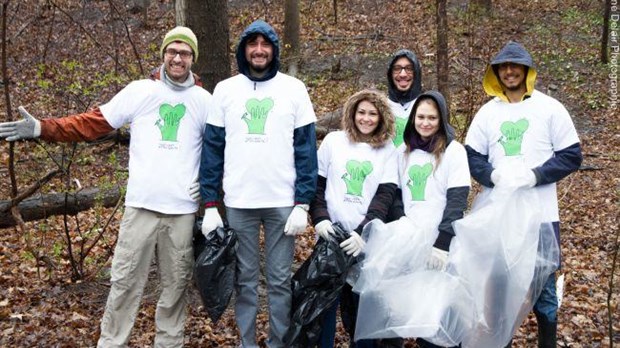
pixel 180 10
pixel 291 35
pixel 443 60
pixel 209 21
pixel 605 37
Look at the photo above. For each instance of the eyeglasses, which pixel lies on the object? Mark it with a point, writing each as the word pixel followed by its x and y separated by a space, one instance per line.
pixel 171 53
pixel 397 69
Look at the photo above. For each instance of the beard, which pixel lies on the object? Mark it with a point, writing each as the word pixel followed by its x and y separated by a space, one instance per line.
pixel 260 68
pixel 514 88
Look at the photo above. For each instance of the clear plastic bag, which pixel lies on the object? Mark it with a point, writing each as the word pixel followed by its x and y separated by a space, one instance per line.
pixel 498 263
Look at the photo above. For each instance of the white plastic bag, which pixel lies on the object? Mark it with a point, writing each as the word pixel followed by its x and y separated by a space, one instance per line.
pixel 498 263
pixel 504 255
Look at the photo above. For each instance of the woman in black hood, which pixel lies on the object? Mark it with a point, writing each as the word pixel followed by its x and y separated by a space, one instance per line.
pixel 433 175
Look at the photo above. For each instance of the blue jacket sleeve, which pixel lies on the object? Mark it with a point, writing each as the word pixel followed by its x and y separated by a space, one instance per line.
pixel 306 165
pixel 479 166
pixel 559 166
pixel 212 164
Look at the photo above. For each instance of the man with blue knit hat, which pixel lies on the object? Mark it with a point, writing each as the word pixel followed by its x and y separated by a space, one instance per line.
pixel 523 126
pixel 166 115
pixel 260 147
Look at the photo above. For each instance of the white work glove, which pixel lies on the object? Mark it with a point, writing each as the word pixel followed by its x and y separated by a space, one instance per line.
pixel 525 178
pixel 353 245
pixel 194 190
pixel 27 128
pixel 438 260
pixel 519 177
pixel 211 221
pixel 496 177
pixel 297 221
pixel 325 229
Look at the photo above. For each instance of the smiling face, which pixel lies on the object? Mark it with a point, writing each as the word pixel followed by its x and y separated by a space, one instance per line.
pixel 512 76
pixel 402 74
pixel 259 54
pixel 177 67
pixel 366 118
pixel 426 119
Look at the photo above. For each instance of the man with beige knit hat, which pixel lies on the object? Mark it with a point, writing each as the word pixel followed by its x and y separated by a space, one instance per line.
pixel 167 116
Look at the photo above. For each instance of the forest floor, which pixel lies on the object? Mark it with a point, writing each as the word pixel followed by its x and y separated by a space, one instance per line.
pixel 66 56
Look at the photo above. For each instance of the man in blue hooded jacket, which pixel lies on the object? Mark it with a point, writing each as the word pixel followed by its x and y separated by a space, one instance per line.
pixel 523 125
pixel 260 148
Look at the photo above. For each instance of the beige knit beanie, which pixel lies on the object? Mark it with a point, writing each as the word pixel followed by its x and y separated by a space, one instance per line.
pixel 182 34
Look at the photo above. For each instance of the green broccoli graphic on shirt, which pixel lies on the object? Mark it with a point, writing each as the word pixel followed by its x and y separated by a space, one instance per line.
pixel 400 129
pixel 512 136
pixel 355 176
pixel 256 114
pixel 170 120
pixel 418 176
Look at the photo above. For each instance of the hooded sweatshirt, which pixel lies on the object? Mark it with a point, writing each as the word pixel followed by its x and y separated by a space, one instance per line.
pixel 401 101
pixel 537 132
pixel 434 194
pixel 260 141
pixel 354 170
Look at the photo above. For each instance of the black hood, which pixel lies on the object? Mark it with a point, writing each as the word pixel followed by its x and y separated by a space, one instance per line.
pixel 416 87
pixel 258 27
pixel 443 114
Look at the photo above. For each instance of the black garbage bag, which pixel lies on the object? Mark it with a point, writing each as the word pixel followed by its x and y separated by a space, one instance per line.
pixel 214 268
pixel 316 285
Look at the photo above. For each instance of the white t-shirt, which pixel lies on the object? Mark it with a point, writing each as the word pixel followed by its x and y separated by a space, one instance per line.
pixel 259 119
pixel 401 115
pixel 425 184
pixel 529 132
pixel 353 172
pixel 166 141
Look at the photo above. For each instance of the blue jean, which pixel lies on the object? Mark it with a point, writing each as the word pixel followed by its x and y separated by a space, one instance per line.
pixel 279 251
pixel 546 305
pixel 328 328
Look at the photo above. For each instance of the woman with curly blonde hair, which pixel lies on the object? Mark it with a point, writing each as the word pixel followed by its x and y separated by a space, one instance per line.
pixel 357 183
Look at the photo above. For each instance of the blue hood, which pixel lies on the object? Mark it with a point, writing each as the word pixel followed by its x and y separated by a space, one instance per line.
pixel 258 27
pixel 512 52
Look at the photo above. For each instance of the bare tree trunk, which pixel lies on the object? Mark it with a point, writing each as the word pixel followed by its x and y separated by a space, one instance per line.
pixel 443 66
pixel 209 21
pixel 180 10
pixel 335 4
pixel 605 37
pixel 291 35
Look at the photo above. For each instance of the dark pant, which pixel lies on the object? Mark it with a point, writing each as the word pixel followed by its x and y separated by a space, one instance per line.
pixel 349 302
pixel 426 344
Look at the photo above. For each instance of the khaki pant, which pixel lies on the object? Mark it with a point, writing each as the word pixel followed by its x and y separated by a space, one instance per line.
pixel 141 230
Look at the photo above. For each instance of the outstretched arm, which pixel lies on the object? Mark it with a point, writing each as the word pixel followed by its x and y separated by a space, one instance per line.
pixel 80 127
